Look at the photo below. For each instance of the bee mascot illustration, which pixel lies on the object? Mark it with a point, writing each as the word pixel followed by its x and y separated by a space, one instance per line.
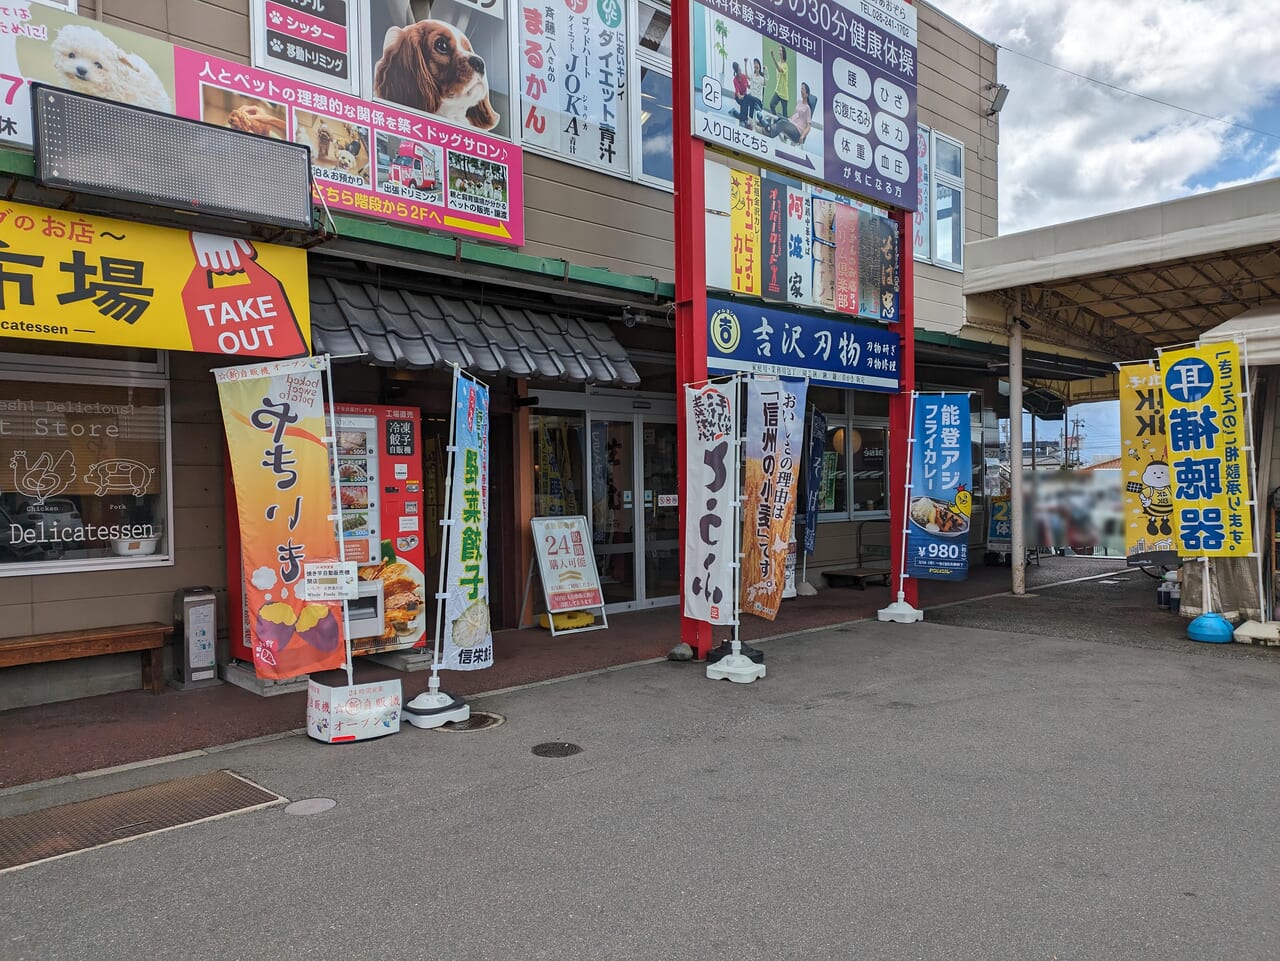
pixel 1155 492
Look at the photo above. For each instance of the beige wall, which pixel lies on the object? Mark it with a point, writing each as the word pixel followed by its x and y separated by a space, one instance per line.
pixel 956 67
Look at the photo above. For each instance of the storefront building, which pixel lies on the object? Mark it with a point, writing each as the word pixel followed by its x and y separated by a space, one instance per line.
pixel 546 270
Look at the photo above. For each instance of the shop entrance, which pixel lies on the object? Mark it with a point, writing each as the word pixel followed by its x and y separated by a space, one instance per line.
pixel 614 460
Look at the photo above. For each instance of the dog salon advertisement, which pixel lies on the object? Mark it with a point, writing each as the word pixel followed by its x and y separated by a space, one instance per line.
pixel 800 245
pixel 816 88
pixel 311 40
pixel 573 58
pixel 941 506
pixel 276 428
pixel 70 278
pixel 366 160
pixel 447 59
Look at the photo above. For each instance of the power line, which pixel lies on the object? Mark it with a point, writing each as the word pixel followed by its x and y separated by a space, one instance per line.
pixel 1141 96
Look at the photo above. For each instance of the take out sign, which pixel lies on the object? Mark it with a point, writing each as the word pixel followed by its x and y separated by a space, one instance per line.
pixel 68 278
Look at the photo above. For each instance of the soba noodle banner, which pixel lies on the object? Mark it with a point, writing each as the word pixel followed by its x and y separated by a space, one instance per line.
pixel 941 503
pixel 774 444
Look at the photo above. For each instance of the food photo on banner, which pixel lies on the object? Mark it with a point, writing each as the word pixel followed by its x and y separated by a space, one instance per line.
pixel 817 88
pixel 774 444
pixel 467 643
pixel 711 487
pixel 940 504
pixel 275 423
pixel 1207 424
pixel 1150 522
pixel 447 58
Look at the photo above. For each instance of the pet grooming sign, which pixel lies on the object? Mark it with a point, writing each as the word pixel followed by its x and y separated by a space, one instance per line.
pixel 366 159
pixel 859 69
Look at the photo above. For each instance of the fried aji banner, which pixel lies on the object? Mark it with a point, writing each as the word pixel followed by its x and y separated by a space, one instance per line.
pixel 1207 424
pixel 1150 523
pixel 275 424
pixel 941 504
pixel 774 439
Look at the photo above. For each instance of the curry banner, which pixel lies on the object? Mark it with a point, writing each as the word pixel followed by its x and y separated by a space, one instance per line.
pixel 941 502
pixel 711 488
pixel 275 423
pixel 1150 525
pixel 1207 420
pixel 774 445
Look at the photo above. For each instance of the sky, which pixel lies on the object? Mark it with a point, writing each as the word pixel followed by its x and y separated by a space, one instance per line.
pixel 1070 148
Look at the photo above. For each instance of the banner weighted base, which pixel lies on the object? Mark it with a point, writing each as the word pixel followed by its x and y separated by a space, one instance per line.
pixel 736 667
pixel 900 612
pixel 435 708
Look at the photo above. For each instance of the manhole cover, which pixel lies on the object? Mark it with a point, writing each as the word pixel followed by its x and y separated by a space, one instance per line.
pixel 478 721
pixel 310 805
pixel 556 749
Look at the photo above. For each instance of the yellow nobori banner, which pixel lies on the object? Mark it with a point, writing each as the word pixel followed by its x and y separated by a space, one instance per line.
pixel 70 278
pixel 1150 522
pixel 1207 423
pixel 744 214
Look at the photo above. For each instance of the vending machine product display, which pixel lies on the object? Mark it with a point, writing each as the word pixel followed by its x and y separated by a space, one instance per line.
pixel 379 471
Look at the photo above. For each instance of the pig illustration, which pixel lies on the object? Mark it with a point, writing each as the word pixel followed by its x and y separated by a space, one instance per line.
pixel 119 475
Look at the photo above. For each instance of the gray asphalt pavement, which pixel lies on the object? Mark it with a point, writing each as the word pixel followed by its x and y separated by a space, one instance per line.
pixel 888 792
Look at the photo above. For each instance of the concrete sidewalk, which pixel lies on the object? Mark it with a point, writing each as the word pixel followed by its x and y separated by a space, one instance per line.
pixel 887 792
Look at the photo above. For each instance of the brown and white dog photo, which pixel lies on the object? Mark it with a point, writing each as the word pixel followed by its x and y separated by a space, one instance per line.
pixel 431 66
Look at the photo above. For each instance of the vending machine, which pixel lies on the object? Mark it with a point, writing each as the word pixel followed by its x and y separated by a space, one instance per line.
pixel 379 471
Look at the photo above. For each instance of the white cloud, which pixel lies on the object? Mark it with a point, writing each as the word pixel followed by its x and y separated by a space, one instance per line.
pixel 1070 148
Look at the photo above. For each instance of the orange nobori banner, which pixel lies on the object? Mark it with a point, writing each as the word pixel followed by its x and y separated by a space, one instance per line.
pixel 276 427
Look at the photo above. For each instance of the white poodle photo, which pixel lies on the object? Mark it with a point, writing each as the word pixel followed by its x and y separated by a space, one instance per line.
pixel 88 61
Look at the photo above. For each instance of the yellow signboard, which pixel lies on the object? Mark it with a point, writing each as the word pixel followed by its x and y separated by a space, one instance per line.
pixel 1207 421
pixel 1150 523
pixel 744 217
pixel 70 278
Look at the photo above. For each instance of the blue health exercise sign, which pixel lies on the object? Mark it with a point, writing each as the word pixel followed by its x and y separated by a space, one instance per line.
pixel 753 339
pixel 941 504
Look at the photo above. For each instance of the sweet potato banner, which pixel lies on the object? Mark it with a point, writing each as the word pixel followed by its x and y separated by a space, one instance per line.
pixel 275 424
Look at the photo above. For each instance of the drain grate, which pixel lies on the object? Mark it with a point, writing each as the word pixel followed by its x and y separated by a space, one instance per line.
pixel 556 749
pixel 478 721
pixel 70 828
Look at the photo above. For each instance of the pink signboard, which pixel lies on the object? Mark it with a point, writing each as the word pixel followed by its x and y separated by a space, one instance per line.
pixel 366 159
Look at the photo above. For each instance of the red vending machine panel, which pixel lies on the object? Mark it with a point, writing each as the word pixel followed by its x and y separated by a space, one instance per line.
pixel 380 488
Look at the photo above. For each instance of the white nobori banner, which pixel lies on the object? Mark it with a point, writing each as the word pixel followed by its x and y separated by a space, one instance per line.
pixel 712 492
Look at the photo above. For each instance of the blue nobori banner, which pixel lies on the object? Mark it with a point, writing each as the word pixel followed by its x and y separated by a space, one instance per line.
pixel 765 340
pixel 941 503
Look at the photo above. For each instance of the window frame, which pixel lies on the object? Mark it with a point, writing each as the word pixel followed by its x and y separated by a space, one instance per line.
pixel 640 57
pixel 934 179
pixel 81 371
pixel 851 421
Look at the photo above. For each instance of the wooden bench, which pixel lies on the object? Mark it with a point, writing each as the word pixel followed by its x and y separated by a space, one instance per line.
pixel 872 563
pixel 66 645
pixel 857 577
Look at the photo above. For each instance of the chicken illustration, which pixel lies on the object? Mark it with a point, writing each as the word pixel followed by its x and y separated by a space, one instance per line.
pixel 45 478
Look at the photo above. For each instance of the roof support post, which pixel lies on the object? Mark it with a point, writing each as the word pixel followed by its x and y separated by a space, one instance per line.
pixel 1018 548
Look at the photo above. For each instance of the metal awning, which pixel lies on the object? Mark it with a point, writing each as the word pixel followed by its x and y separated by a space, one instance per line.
pixel 419 331
pixel 1124 284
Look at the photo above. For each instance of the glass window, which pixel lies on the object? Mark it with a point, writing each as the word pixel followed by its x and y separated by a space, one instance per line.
pixel 938 224
pixel 89 487
pixel 835 479
pixel 558 481
pixel 829 400
pixel 868 459
pixel 870 403
pixel 656 144
pixel 655 30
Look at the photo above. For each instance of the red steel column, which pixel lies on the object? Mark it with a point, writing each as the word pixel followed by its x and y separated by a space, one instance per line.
pixel 900 409
pixel 691 268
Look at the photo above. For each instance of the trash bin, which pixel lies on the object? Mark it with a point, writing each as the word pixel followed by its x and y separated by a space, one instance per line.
pixel 195 627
